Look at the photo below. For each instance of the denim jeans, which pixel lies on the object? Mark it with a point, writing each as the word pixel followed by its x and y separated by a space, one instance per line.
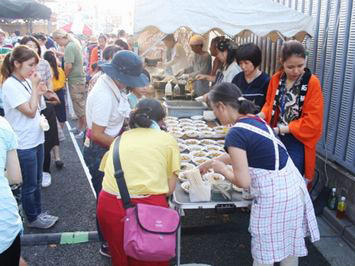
pixel 92 156
pixel 31 162
pixel 295 149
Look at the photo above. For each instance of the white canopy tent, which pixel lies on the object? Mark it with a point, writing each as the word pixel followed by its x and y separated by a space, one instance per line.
pixel 237 17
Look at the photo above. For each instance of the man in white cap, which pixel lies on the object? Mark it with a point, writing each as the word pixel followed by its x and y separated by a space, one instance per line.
pixel 201 64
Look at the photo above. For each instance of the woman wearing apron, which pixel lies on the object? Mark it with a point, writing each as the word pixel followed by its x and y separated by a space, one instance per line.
pixel 282 213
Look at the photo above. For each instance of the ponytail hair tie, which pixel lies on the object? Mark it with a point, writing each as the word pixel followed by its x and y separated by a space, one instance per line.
pixel 241 98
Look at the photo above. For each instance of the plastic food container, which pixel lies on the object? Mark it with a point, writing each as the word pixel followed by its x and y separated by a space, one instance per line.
pixel 184 108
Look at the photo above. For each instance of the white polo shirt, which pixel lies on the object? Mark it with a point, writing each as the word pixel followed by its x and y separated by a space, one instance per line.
pixel 27 129
pixel 107 106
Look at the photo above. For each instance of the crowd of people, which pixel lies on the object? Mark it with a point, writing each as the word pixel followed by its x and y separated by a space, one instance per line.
pixel 276 123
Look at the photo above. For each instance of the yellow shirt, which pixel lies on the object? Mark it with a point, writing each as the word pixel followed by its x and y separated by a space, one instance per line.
pixel 60 82
pixel 149 157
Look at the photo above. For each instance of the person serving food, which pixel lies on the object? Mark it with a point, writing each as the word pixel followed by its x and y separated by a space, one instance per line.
pixel 282 213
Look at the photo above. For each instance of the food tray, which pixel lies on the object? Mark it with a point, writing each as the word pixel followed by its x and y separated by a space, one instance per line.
pixel 182 108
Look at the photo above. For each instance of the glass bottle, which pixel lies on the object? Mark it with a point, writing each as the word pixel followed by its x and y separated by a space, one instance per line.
pixel 341 208
pixel 332 201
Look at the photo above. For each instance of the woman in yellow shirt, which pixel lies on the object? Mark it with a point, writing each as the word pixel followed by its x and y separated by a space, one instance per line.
pixel 58 82
pixel 150 160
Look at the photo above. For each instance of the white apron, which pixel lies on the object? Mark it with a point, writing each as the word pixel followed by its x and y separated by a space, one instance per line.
pixel 282 213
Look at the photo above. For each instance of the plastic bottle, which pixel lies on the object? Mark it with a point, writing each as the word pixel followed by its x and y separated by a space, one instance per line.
pixel 176 90
pixel 135 47
pixel 341 208
pixel 332 201
pixel 168 89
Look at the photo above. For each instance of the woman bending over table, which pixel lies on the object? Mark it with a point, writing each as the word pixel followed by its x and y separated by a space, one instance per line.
pixel 282 213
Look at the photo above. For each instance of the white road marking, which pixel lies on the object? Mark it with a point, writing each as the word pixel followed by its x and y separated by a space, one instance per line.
pixel 81 158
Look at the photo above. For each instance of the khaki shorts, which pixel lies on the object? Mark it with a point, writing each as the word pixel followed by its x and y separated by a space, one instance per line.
pixel 78 96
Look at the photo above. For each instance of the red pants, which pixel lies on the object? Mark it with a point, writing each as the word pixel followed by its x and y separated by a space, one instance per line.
pixel 110 213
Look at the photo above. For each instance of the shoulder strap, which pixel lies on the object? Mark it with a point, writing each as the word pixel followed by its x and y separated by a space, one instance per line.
pixel 119 175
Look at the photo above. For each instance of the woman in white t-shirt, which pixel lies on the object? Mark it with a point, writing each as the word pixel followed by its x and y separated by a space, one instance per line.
pixel 22 95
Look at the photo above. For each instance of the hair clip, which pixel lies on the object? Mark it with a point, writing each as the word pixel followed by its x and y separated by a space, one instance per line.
pixel 241 98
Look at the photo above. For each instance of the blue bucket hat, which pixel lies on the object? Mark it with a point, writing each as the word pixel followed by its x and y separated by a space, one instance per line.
pixel 127 68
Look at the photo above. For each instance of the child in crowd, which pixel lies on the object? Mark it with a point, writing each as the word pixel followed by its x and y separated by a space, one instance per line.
pixel 137 94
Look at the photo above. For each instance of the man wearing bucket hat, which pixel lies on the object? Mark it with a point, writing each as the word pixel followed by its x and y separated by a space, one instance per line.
pixel 201 64
pixel 107 107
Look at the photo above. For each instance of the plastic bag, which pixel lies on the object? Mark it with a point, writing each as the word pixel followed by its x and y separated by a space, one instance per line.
pixel 201 192
pixel 69 102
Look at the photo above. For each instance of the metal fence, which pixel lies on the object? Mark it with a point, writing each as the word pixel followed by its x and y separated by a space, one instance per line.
pixel 332 58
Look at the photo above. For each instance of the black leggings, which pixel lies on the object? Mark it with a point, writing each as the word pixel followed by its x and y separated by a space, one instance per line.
pixel 11 256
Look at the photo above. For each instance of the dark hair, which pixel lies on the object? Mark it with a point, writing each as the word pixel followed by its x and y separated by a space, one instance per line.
pixel 52 60
pixel 217 39
pixel 291 48
pixel 250 52
pixel 102 36
pixel 27 39
pixel 146 111
pixel 230 47
pixel 229 94
pixel 121 33
pixel 169 37
pixel 20 54
pixel 109 51
pixel 121 43
pixel 40 36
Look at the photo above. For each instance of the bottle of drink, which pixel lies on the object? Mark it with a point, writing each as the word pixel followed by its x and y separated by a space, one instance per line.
pixel 176 90
pixel 332 201
pixel 341 208
pixel 135 47
pixel 168 89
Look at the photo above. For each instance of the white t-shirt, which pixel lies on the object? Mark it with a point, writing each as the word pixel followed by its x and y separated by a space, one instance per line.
pixel 107 106
pixel 232 70
pixel 27 129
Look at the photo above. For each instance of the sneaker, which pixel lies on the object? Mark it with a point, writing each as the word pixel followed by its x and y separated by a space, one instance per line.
pixel 79 135
pixel 59 164
pixel 46 216
pixel 104 251
pixel 41 223
pixel 46 179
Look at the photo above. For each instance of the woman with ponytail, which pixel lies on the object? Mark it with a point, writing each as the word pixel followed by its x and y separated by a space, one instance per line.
pixel 226 52
pixel 150 161
pixel 282 213
pixel 23 101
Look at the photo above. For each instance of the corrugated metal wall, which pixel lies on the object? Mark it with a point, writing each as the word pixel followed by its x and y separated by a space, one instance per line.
pixel 332 59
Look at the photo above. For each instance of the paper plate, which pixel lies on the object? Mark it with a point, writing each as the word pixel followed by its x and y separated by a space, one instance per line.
pixel 197 117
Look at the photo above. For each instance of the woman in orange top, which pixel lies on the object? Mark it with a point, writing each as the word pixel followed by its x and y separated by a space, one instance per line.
pixel 97 53
pixel 294 107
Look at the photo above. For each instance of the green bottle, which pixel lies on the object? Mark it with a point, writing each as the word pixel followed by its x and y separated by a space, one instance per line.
pixel 332 201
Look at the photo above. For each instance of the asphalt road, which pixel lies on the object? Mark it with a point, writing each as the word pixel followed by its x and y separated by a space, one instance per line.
pixel 218 240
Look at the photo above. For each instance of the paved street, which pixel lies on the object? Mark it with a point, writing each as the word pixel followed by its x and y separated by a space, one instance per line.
pixel 206 237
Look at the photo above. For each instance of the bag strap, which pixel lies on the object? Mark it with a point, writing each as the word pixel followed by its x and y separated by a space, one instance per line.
pixel 119 175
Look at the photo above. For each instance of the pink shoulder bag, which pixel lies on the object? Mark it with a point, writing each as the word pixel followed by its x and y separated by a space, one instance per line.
pixel 149 230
